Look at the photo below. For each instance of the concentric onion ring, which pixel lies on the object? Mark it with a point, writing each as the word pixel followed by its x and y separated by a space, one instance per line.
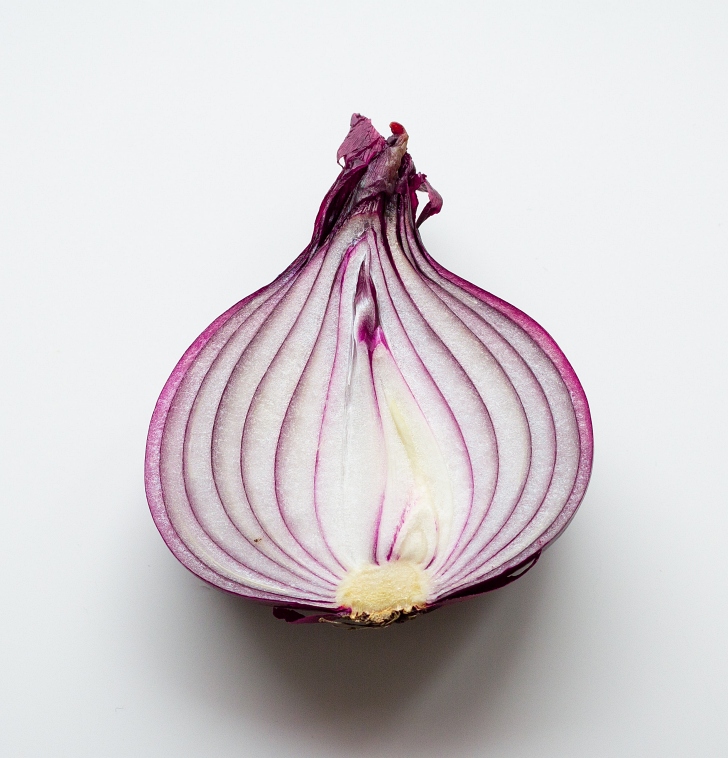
pixel 369 436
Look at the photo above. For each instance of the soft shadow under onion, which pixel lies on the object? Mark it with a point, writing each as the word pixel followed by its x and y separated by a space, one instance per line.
pixel 364 684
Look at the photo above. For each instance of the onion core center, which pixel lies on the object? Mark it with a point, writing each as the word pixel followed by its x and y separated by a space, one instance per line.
pixel 381 592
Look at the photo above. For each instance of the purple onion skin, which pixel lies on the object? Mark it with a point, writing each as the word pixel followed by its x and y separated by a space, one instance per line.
pixel 371 174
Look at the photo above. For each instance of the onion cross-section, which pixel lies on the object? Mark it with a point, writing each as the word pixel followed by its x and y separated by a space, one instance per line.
pixel 369 436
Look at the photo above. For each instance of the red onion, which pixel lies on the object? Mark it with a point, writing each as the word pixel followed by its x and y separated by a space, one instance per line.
pixel 369 436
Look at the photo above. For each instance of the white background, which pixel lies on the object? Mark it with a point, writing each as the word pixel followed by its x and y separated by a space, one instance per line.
pixel 160 161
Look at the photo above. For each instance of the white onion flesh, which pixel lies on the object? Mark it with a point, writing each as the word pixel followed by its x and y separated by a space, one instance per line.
pixel 369 412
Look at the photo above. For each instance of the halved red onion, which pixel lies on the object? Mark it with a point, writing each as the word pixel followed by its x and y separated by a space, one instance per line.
pixel 369 436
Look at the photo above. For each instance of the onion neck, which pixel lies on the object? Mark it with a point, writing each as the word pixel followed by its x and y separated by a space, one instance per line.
pixel 384 171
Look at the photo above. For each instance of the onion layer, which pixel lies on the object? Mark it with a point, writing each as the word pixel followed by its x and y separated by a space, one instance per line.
pixel 369 436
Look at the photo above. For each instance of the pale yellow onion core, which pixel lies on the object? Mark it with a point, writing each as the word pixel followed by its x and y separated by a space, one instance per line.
pixel 382 591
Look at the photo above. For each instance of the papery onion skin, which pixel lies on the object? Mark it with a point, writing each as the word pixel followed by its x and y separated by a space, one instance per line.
pixel 369 437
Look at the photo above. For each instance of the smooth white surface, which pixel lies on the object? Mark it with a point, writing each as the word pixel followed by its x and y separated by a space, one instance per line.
pixel 160 161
